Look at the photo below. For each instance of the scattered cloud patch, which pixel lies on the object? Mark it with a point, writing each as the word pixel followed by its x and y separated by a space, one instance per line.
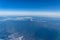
pixel 17 18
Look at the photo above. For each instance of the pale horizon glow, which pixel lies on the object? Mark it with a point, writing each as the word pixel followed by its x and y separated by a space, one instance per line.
pixel 29 13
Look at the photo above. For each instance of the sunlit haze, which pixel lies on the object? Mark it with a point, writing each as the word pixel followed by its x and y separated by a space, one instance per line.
pixel 29 13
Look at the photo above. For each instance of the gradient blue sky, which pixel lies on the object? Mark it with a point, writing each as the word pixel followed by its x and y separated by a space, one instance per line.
pixel 49 8
pixel 38 5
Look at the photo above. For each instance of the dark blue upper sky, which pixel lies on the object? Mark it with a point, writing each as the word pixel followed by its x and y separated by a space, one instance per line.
pixel 49 5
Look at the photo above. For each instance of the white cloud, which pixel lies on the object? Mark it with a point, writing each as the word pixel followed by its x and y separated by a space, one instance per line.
pixel 17 18
pixel 29 13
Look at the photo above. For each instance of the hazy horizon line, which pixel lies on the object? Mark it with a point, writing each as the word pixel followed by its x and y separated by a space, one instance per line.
pixel 29 13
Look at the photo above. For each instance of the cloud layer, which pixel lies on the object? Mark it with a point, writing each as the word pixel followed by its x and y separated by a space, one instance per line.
pixel 29 13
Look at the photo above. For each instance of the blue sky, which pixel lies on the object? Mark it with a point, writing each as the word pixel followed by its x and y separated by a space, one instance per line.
pixel 43 5
pixel 30 7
